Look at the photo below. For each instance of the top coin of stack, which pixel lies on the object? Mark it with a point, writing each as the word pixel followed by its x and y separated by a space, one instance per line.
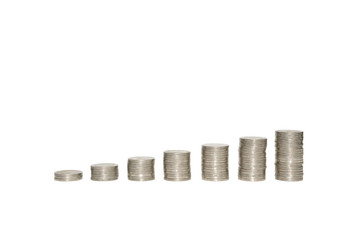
pixel 104 172
pixel 289 155
pixel 68 175
pixel 252 158
pixel 177 165
pixel 215 162
pixel 141 168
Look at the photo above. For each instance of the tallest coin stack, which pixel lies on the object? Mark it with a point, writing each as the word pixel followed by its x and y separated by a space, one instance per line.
pixel 289 155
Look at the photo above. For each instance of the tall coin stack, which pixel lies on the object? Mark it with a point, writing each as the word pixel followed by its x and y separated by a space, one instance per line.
pixel 177 165
pixel 289 155
pixel 104 172
pixel 215 162
pixel 141 168
pixel 252 158
pixel 68 175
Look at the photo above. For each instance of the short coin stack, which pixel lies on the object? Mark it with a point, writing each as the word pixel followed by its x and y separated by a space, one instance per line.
pixel 289 155
pixel 141 168
pixel 177 165
pixel 68 175
pixel 215 162
pixel 104 172
pixel 252 158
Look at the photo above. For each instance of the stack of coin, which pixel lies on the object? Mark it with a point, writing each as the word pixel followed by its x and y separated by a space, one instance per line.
pixel 68 175
pixel 289 155
pixel 141 168
pixel 177 165
pixel 215 162
pixel 104 172
pixel 252 158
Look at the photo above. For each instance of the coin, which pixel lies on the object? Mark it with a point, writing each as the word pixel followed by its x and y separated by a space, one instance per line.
pixel 289 155
pixel 104 172
pixel 252 158
pixel 177 165
pixel 141 168
pixel 215 162
pixel 68 175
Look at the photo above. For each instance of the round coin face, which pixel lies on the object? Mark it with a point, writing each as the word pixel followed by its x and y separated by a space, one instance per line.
pixel 253 138
pixel 289 131
pixel 176 151
pixel 215 145
pixel 68 172
pixel 104 165
pixel 143 158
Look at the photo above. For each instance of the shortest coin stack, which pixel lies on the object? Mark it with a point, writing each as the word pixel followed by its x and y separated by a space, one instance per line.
pixel 68 175
pixel 177 165
pixel 141 168
pixel 104 172
pixel 252 158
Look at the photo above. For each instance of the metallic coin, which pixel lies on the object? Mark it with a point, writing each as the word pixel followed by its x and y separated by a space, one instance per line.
pixel 215 162
pixel 141 168
pixel 289 155
pixel 68 175
pixel 252 158
pixel 104 172
pixel 177 165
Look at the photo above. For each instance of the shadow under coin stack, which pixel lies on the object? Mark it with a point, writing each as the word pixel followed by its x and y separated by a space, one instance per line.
pixel 68 175
pixel 177 165
pixel 104 172
pixel 141 168
pixel 252 158
pixel 215 162
pixel 289 155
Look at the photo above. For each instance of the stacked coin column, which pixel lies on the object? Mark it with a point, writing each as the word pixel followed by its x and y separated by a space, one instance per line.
pixel 141 168
pixel 177 165
pixel 215 162
pixel 289 155
pixel 68 175
pixel 252 158
pixel 104 172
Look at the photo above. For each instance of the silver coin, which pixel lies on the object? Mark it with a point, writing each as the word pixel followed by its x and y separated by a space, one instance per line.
pixel 289 155
pixel 177 165
pixel 141 168
pixel 68 175
pixel 104 172
pixel 215 162
pixel 252 158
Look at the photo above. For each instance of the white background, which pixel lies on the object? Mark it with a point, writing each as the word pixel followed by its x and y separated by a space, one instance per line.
pixel 85 82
